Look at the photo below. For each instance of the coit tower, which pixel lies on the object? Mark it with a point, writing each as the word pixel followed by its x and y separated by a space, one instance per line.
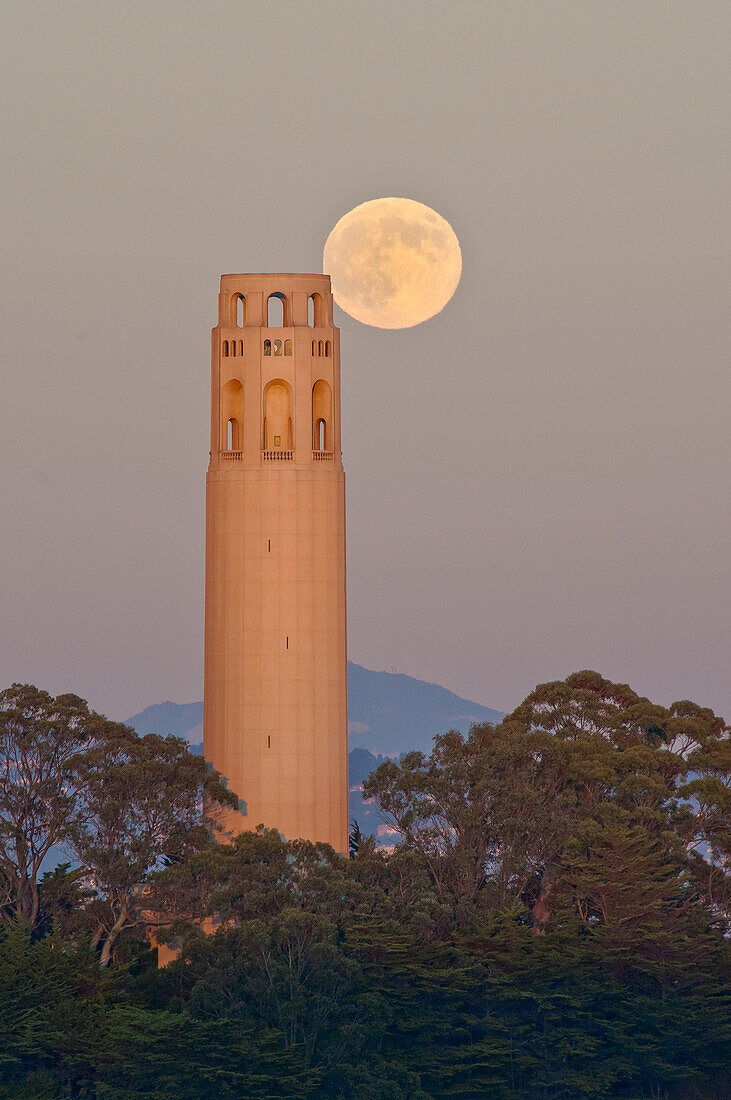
pixel 275 711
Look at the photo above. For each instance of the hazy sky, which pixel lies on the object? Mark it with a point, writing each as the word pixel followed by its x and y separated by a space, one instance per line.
pixel 538 478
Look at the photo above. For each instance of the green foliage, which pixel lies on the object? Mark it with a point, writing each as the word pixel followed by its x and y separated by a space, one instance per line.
pixel 118 803
pixel 41 739
pixel 355 839
pixel 552 925
pixel 63 899
pixel 140 803
pixel 67 1034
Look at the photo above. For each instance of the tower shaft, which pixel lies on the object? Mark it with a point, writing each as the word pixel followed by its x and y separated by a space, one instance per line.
pixel 275 711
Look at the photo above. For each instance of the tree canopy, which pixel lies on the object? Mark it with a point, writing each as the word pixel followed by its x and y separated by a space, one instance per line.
pixel 116 803
pixel 552 924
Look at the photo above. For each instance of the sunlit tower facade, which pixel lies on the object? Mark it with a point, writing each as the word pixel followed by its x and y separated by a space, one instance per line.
pixel 275 709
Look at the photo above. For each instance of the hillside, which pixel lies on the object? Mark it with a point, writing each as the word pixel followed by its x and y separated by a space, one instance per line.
pixel 388 714
pixel 170 719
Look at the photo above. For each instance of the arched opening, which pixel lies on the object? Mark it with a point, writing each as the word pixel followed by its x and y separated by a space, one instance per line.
pixel 327 347
pixel 320 348
pixel 233 347
pixel 238 313
pixel 232 415
pixel 241 347
pixel 277 347
pixel 321 416
pixel 232 434
pixel 314 347
pixel 314 310
pixel 277 311
pixel 277 416
pixel 225 348
pixel 267 347
pixel 287 347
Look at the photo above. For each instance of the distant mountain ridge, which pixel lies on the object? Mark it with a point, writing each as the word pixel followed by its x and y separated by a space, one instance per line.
pixel 388 713
pixel 170 720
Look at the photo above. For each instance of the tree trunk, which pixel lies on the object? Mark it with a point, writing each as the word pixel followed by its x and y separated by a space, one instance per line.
pixel 110 940
pixel 540 912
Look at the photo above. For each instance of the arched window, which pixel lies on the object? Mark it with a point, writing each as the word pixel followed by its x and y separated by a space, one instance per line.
pixel 232 415
pixel 277 347
pixel 314 347
pixel 277 416
pixel 320 348
pixel 233 347
pixel 314 310
pixel 225 348
pixel 267 347
pixel 321 416
pixel 327 347
pixel 241 347
pixel 239 310
pixel 287 347
pixel 277 311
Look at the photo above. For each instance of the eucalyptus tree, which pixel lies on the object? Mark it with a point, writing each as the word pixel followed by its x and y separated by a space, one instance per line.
pixel 42 739
pixel 117 804
pixel 143 802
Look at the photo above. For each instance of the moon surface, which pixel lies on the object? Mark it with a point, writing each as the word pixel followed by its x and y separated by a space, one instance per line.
pixel 393 262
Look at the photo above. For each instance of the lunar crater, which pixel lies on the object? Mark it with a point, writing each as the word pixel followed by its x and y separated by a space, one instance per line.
pixel 393 262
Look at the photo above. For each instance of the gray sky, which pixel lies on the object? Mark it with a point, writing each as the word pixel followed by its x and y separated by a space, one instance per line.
pixel 538 478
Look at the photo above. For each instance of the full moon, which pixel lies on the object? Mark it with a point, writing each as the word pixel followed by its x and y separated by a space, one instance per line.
pixel 393 262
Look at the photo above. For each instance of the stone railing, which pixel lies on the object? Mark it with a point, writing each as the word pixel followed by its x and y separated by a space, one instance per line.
pixel 277 456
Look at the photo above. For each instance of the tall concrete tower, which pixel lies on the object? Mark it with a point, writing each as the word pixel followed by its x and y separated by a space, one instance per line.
pixel 275 717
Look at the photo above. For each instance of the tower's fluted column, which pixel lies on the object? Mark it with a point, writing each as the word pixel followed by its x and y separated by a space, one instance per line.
pixel 275 717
